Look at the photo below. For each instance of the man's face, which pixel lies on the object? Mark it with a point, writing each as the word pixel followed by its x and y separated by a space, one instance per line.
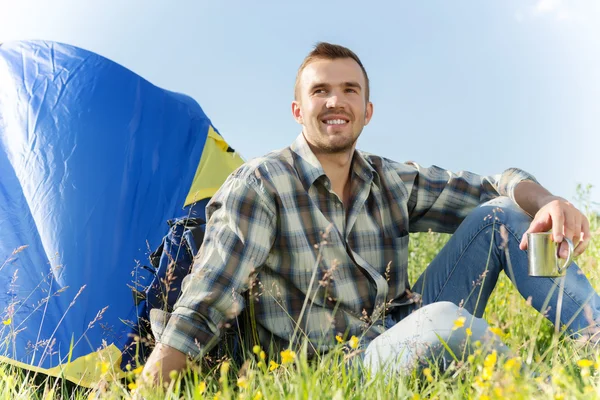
pixel 331 104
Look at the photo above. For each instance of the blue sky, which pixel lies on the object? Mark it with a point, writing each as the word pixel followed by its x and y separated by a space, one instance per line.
pixel 479 86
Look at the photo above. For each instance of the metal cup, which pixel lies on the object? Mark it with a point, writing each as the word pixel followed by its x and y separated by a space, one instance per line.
pixel 543 255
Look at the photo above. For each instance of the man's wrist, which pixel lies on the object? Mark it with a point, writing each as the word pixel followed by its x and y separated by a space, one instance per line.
pixel 531 197
pixel 544 200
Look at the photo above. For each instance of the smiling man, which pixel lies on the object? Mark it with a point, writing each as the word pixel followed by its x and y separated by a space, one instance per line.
pixel 316 237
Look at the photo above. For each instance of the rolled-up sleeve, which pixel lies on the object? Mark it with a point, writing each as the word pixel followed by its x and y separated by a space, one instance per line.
pixel 439 199
pixel 239 235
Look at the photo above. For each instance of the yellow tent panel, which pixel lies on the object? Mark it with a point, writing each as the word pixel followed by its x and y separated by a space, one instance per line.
pixel 215 166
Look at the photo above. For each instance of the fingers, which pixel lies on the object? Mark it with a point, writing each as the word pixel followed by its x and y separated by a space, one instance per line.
pixel 565 221
pixel 577 229
pixel 576 224
pixel 563 250
pixel 523 244
pixel 586 236
pixel 541 223
pixel 558 224
pixel 573 224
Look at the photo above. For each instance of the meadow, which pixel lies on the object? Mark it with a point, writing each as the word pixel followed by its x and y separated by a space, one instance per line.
pixel 546 364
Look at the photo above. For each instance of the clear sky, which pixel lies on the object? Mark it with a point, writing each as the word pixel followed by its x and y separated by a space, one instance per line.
pixel 464 84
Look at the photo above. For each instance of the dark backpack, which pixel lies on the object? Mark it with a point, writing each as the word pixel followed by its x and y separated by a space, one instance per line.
pixel 169 264
pixel 172 261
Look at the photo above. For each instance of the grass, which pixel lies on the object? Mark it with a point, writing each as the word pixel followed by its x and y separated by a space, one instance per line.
pixel 574 370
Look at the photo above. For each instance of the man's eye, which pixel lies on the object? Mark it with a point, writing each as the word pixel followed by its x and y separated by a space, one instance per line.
pixel 319 91
pixel 349 90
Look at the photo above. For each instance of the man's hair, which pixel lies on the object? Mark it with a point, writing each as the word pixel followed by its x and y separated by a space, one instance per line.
pixel 328 51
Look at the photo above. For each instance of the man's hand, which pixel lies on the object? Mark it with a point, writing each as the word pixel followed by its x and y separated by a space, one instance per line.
pixel 161 362
pixel 565 220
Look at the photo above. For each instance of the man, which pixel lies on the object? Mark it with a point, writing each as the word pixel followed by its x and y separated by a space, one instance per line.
pixel 319 233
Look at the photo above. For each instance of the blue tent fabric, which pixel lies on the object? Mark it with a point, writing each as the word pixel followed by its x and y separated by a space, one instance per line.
pixel 94 160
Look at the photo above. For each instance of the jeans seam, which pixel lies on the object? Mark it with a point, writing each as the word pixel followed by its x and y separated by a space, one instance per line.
pixel 460 258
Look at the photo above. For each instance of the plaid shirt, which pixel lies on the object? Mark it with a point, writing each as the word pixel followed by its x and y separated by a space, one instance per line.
pixel 277 234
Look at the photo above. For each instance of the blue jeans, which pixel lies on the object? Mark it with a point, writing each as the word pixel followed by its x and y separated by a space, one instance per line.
pixel 464 273
pixel 479 250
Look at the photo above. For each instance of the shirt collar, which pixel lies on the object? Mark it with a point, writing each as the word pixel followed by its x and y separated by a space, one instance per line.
pixel 362 167
pixel 310 169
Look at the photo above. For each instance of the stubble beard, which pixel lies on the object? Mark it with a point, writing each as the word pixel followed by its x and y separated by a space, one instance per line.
pixel 344 146
pixel 333 148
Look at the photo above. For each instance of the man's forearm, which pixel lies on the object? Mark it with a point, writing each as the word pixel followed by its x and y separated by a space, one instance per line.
pixel 531 196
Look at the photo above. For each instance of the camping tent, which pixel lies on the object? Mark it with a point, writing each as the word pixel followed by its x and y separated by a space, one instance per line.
pixel 94 160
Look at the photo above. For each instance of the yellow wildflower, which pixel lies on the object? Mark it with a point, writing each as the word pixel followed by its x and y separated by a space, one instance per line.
pixel 484 397
pixel 242 382
pixel 132 386
pixel 256 349
pixel 138 370
pixel 173 375
pixel 262 355
pixel 258 396
pixel 512 364
pixel 486 374
pixel 273 365
pixel 201 388
pixel 490 359
pixel 7 321
pixel 339 339
pixel 479 383
pixel 583 363
pixel 488 366
pixel 287 356
pixel 353 342
pixel 497 331
pixel 104 366
pixel 427 373
pixel 416 396
pixel 468 331
pixel 459 323
pixel 217 395
pixel 471 358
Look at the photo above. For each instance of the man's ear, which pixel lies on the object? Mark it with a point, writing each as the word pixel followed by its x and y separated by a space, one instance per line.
pixel 368 112
pixel 297 112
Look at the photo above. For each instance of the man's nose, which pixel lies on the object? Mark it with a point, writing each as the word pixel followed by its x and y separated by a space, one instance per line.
pixel 334 101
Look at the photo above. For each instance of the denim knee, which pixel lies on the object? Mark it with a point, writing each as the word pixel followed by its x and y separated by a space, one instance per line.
pixel 505 211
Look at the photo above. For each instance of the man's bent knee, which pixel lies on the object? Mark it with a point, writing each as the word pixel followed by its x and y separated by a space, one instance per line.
pixel 504 210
